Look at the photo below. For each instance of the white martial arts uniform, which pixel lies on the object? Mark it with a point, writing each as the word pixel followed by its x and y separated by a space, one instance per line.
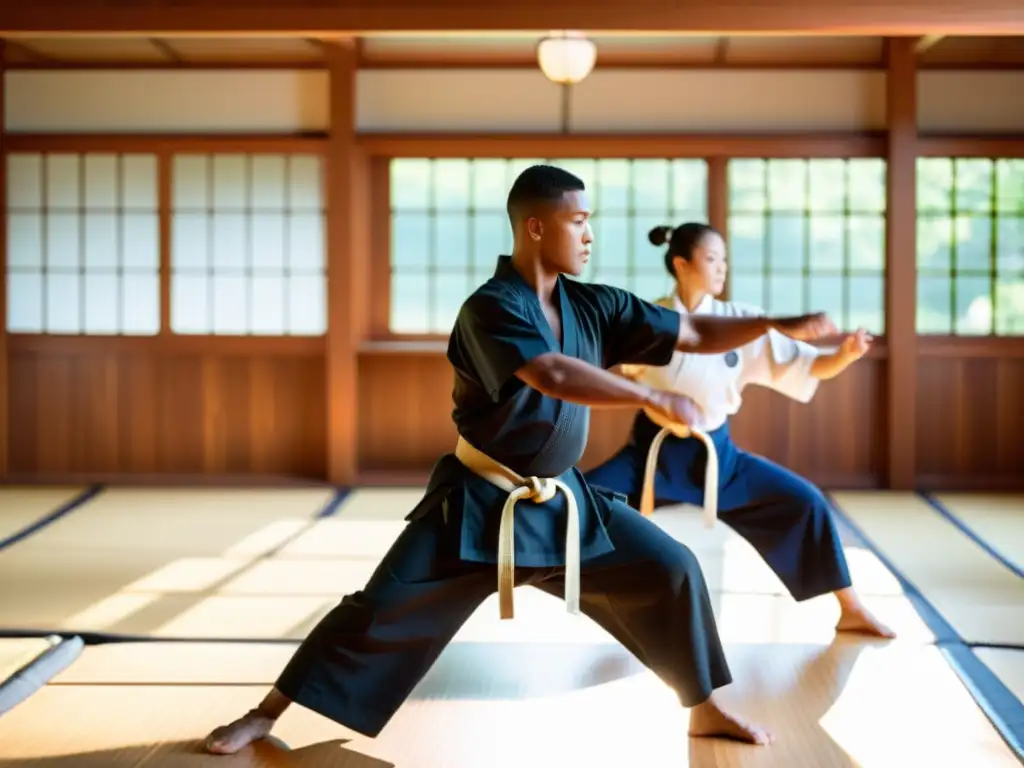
pixel 783 516
pixel 716 382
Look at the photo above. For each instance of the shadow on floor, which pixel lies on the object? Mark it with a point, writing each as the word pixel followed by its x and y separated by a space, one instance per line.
pixel 270 753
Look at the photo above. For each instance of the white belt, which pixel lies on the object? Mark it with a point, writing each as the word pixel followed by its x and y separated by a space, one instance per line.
pixel 710 474
pixel 535 489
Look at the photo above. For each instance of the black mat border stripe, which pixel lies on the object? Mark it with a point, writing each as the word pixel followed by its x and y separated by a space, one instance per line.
pixel 92 637
pixel 80 500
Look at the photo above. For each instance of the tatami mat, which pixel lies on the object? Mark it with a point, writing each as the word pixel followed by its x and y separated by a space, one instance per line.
pixel 981 599
pixel 257 565
pixel 337 555
pixel 541 626
pixel 381 503
pixel 996 519
pixel 843 705
pixel 21 507
pixel 175 663
pixel 15 653
pixel 141 561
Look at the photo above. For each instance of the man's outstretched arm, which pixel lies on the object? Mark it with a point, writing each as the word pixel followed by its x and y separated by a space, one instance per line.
pixel 711 335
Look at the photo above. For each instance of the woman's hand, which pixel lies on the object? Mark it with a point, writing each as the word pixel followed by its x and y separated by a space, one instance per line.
pixel 855 346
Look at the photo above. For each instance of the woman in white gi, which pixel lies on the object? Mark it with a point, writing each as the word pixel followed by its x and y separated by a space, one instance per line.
pixel 786 519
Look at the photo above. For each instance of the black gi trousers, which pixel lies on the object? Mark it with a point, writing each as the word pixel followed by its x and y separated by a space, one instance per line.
pixel 364 658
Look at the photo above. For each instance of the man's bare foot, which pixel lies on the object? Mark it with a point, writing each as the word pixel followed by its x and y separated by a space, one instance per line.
pixel 228 739
pixel 709 720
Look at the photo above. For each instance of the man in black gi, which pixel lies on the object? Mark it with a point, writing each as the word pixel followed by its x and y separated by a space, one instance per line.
pixel 530 350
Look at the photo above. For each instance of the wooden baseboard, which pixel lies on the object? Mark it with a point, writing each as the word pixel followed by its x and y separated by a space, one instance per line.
pixel 417 478
pixel 388 478
pixel 128 480
pixel 937 482
pixel 845 481
pixel 836 481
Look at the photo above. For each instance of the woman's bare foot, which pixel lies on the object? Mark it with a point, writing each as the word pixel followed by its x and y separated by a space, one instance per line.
pixel 863 623
pixel 710 720
pixel 228 739
pixel 854 617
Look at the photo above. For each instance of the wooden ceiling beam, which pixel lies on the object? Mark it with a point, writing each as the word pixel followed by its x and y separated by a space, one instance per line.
pixel 834 17
pixel 156 66
pixel 927 42
pixel 166 50
pixel 722 51
pixel 606 62
pixel 29 54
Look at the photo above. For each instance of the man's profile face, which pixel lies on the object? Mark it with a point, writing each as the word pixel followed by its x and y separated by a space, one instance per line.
pixel 566 235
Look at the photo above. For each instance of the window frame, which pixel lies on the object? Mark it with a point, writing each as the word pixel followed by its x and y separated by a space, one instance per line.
pixel 716 151
pixel 164 148
pixel 992 148
pixel 81 211
pixel 807 270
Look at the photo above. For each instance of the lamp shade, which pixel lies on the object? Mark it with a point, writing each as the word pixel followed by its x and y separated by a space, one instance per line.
pixel 566 60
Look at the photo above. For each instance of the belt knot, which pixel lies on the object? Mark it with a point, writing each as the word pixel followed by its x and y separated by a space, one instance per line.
pixel 539 489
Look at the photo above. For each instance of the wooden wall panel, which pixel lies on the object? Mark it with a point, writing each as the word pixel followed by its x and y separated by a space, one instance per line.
pixel 405 423
pixel 137 413
pixel 133 412
pixel 970 432
pixel 609 431
pixel 405 412
pixel 836 440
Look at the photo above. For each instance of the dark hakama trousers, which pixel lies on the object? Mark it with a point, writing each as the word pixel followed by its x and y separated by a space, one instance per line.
pixel 361 662
pixel 783 516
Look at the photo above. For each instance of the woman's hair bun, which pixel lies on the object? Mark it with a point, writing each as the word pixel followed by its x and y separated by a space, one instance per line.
pixel 659 235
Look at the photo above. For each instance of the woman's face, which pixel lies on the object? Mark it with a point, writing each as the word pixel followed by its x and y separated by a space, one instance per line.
pixel 706 270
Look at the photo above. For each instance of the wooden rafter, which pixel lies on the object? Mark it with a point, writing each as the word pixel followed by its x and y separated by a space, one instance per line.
pixel 845 17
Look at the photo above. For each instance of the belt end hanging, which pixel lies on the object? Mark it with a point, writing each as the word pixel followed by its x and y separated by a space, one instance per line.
pixel 572 590
pixel 647 502
pixel 506 607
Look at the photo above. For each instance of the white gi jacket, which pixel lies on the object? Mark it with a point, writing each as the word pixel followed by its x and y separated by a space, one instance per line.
pixel 716 382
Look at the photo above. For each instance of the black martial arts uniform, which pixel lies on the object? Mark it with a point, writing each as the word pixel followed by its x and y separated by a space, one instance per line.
pixel 361 662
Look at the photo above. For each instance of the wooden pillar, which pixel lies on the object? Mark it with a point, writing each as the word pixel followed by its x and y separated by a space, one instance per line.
pixel 718 201
pixel 347 259
pixel 4 367
pixel 901 261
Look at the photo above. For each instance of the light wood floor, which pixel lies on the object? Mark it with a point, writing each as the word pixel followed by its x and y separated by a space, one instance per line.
pixel 547 688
